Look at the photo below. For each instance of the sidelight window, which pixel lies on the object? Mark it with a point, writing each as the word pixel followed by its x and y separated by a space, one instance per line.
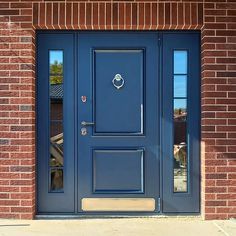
pixel 56 162
pixel 180 149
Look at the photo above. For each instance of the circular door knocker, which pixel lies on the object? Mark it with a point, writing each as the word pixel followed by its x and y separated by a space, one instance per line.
pixel 118 81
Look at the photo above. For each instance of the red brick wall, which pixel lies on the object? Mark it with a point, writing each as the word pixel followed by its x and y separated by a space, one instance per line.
pixel 219 110
pixel 18 22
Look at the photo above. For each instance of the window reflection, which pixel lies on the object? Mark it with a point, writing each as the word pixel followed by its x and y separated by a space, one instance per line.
pixel 180 162
pixel 56 179
pixel 56 120
pixel 180 146
pixel 180 62
pixel 180 86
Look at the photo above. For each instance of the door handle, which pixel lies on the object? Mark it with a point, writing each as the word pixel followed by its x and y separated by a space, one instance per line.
pixel 84 123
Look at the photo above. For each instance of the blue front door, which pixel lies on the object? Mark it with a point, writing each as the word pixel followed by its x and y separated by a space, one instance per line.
pixel 117 122
pixel 118 157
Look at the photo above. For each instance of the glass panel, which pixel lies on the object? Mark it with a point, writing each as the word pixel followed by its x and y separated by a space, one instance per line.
pixel 56 179
pixel 56 79
pixel 180 145
pixel 56 62
pixel 180 62
pixel 56 119
pixel 180 86
pixel 180 109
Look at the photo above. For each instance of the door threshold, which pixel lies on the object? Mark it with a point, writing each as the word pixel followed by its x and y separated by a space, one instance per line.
pixel 72 217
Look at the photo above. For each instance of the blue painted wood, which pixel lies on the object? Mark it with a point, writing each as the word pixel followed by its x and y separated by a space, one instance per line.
pixel 120 156
pixel 125 173
pixel 61 202
pixel 118 113
pixel 181 202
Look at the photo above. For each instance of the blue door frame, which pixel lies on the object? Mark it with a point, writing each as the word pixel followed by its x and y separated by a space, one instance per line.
pixel 126 149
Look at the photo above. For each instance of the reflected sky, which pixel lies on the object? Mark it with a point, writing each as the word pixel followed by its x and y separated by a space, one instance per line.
pixel 180 103
pixel 180 85
pixel 55 56
pixel 180 62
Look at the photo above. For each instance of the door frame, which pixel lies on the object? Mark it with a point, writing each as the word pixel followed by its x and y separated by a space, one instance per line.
pixel 160 104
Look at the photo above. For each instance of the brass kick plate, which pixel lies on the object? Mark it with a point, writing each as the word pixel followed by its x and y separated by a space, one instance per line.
pixel 118 204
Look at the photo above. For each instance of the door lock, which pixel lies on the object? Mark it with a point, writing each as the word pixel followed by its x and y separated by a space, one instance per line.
pixel 83 131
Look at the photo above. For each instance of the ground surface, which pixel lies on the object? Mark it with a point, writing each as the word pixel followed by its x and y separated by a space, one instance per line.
pixel 119 226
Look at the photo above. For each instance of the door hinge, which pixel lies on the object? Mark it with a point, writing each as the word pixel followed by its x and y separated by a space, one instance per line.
pixel 159 204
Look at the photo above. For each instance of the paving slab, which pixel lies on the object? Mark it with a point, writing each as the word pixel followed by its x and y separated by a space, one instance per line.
pixel 118 226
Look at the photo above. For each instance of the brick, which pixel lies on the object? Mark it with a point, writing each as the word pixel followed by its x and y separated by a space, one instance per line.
pixel 213 12
pixel 225 182
pixel 7 12
pixel 21 128
pixel 226 169
pixel 229 46
pixel 187 13
pixel 82 15
pixel 161 19
pixel 115 14
pixel 193 14
pixel 24 18
pixel 232 189
pixel 231 203
pixel 108 15
pixel 225 142
pixel 21 5
pixel 75 17
pixel 215 203
pixel 225 19
pixel 55 20
pixel 210 196
pixel 10 202
pixel 215 162
pixel 200 14
pixel 225 6
pixel 154 12
pixel 225 33
pixel 35 14
pixel 128 19
pixel 95 14
pixel 69 13
pixel 216 176
pixel 42 14
pixel 20 182
pixel 167 15
pixel 21 209
pixel 226 74
pixel 226 210
pixel 180 13
pixel 134 14
pixel 21 169
pixel 214 39
pixel 49 14
pixel 210 210
pixel 102 14
pixel 226 196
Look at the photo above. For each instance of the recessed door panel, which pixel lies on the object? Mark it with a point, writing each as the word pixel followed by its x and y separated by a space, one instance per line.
pixel 118 171
pixel 118 83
